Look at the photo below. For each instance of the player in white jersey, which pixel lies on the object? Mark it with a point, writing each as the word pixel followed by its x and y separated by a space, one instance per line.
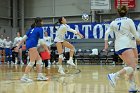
pixel 125 46
pixel 16 41
pixel 61 42
pixel 8 51
pixel 1 46
pixel 48 41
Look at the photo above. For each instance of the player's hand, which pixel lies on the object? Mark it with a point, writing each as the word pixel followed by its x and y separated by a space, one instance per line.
pixel 138 42
pixel 81 36
pixel 104 50
pixel 16 49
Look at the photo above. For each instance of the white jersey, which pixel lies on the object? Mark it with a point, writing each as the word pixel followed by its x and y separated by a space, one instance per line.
pixel 125 33
pixel 60 34
pixel 7 44
pixel 48 40
pixel 17 40
pixel 2 43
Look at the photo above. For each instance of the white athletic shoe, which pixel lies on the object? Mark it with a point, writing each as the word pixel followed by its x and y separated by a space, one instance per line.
pixel 26 80
pixel 42 78
pixel 71 62
pixel 61 70
pixel 112 79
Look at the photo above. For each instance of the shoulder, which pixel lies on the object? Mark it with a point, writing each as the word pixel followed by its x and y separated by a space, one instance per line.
pixel 38 28
pixel 15 38
pixel 129 19
pixel 113 22
pixel 63 26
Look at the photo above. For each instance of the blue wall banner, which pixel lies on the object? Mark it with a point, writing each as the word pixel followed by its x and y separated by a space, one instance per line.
pixel 89 30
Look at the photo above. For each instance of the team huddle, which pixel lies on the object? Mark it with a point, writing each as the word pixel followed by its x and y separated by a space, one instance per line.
pixel 126 41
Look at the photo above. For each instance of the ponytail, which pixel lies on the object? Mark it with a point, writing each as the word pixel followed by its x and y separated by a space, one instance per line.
pixel 54 27
pixel 33 25
pixel 37 22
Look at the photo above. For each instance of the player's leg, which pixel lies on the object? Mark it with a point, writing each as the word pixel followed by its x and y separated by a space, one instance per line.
pixel 10 56
pixel 33 56
pixel 135 51
pixel 20 56
pixel 39 68
pixel 71 47
pixel 60 52
pixel 0 55
pixel 6 55
pixel 129 58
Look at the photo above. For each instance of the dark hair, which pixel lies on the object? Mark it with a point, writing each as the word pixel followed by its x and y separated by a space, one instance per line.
pixel 37 22
pixel 54 27
pixel 60 20
pixel 122 10
pixel 33 25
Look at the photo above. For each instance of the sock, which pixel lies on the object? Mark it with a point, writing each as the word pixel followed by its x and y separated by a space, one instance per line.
pixel 117 74
pixel 25 75
pixel 40 74
pixel 49 63
pixel 60 66
pixel 71 58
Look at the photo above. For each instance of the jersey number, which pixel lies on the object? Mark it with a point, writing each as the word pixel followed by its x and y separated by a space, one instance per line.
pixel 32 31
pixel 119 24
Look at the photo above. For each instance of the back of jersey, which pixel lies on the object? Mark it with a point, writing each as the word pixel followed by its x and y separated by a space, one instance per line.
pixel 33 36
pixel 121 27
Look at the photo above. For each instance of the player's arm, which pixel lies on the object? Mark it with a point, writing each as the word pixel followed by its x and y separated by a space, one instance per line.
pixel 11 44
pixel 15 41
pixel 74 31
pixel 133 30
pixel 110 29
pixel 4 44
pixel 42 42
pixel 22 41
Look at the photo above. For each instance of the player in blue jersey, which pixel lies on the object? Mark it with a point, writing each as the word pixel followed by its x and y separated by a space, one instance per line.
pixel 32 36
pixel 125 46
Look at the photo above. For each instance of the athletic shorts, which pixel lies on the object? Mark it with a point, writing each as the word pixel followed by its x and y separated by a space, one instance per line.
pixel 8 51
pixel 1 48
pixel 121 51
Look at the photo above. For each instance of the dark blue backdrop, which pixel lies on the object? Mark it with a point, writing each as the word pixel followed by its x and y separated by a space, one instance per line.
pixel 89 30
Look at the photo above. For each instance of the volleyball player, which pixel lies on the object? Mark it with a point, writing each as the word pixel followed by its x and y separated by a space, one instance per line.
pixel 61 42
pixel 8 51
pixel 48 41
pixel 125 46
pixel 31 37
pixel 1 47
pixel 19 55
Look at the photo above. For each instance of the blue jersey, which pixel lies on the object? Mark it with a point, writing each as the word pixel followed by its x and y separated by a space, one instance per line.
pixel 33 36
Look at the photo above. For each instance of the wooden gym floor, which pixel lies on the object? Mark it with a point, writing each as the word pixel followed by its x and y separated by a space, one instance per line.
pixel 83 79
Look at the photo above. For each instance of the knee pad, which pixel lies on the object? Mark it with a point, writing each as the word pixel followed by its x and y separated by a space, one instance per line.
pixel 61 56
pixel 129 70
pixel 31 64
pixel 39 62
